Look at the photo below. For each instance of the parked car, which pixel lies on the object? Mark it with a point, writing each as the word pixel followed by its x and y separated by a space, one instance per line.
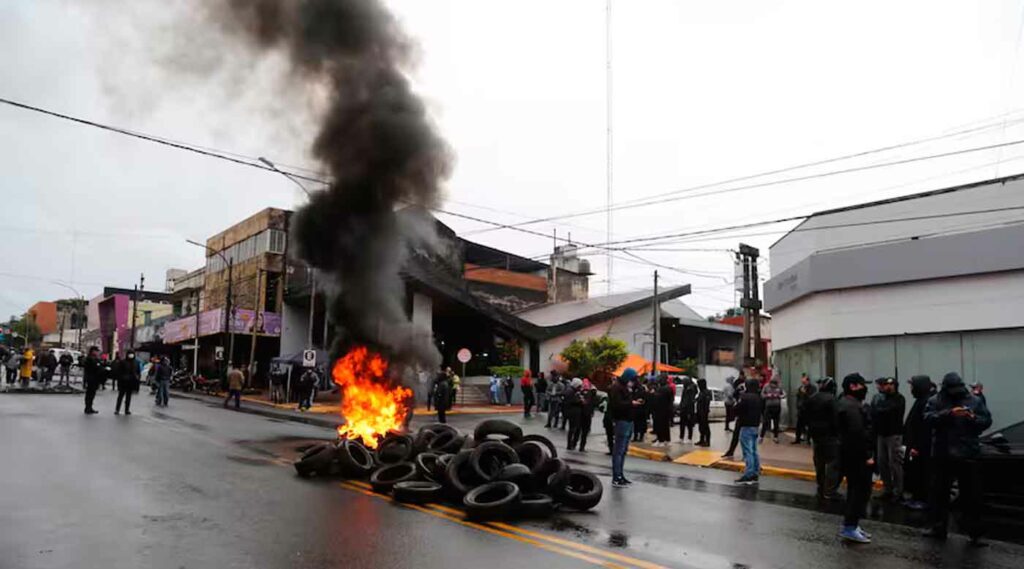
pixel 717 401
pixel 1002 467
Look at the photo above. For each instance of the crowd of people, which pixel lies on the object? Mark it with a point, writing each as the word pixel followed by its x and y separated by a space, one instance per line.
pixel 22 366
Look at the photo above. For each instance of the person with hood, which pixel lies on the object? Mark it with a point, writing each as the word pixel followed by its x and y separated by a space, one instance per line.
pixel 307 383
pixel 589 399
pixel 555 390
pixel 917 438
pixel 92 375
pixel 162 374
pixel 740 387
pixel 622 408
pixel 442 396
pixel 48 362
pixel 687 412
pixel 540 387
pixel 887 410
pixel 65 361
pixel 703 412
pixel 13 364
pixel 127 374
pixel 803 394
pixel 662 406
pixel 956 417
pixel 641 393
pixel 526 384
pixel 748 418
pixel 572 409
pixel 772 394
pixel 855 458
pixel 820 416
pixel 27 360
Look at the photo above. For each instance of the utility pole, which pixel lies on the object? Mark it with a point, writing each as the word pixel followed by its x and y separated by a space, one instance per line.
pixel 312 306
pixel 228 313
pixel 657 326
pixel 255 324
pixel 135 306
pixel 195 341
pixel 751 304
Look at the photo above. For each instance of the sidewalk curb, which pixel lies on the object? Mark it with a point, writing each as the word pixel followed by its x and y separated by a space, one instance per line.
pixel 660 456
pixel 254 408
pixel 654 455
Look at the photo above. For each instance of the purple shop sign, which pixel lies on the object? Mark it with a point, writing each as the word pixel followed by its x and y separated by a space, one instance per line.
pixel 212 322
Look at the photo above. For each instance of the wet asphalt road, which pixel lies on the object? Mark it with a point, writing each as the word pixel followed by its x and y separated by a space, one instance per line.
pixel 197 486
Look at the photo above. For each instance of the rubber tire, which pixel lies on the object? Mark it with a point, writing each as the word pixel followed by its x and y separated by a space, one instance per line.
pixel 490 457
pixel 422 440
pixel 417 492
pixel 437 428
pixel 504 505
pixel 446 443
pixel 459 477
pixel 533 454
pixel 553 476
pixel 426 464
pixel 536 506
pixel 316 460
pixel 552 449
pixel 520 475
pixel 582 491
pixel 442 465
pixel 394 449
pixel 356 460
pixel 510 432
pixel 384 478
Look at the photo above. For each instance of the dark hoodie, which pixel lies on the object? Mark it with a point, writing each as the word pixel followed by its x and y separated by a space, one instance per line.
pixel 820 413
pixel 703 400
pixel 887 410
pixel 854 425
pixel 956 437
pixel 748 410
pixel 917 434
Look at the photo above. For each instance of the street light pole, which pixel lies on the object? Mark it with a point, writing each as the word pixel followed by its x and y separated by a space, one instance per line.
pixel 227 303
pixel 312 270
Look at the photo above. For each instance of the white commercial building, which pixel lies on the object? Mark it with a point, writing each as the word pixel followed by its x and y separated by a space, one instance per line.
pixel 922 284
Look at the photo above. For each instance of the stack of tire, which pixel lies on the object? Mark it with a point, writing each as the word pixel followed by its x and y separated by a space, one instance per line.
pixel 495 473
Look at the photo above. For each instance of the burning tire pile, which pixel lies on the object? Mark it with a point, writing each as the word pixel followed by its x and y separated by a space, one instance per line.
pixel 495 473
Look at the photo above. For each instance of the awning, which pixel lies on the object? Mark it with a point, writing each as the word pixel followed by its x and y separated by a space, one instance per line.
pixel 642 365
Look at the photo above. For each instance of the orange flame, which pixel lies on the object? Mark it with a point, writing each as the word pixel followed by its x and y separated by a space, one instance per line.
pixel 371 407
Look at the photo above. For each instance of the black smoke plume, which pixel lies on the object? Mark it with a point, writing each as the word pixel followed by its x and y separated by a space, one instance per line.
pixel 382 152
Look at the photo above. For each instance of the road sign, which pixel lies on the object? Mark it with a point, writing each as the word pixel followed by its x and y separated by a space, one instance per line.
pixel 309 358
pixel 464 355
pixel 218 353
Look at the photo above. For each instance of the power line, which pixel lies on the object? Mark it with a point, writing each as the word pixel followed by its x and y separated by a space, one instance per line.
pixel 640 202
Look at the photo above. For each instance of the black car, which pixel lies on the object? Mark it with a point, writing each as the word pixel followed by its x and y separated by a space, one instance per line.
pixel 1002 464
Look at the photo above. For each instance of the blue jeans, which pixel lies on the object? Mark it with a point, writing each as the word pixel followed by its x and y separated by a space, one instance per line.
pixel 623 432
pixel 161 393
pixel 748 442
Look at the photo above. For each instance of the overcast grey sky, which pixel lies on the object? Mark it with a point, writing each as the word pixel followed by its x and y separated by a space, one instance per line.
pixel 702 92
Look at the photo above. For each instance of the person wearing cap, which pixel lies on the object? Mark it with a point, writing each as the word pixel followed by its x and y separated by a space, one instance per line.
pixel 622 409
pixel 748 419
pixel 855 458
pixel 917 438
pixel 823 431
pixel 888 408
pixel 956 417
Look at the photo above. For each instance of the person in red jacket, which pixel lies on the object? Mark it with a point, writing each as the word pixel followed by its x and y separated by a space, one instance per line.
pixel 526 384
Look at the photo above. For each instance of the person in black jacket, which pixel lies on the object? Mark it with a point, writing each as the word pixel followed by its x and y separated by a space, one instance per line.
pixel 803 394
pixel 641 393
pixel 748 419
pixel 687 402
pixel 662 411
pixel 588 396
pixel 739 388
pixel 917 437
pixel 92 376
pixel 127 374
pixel 819 414
pixel 703 412
pixel 855 458
pixel 572 409
pixel 65 363
pixel 442 396
pixel 622 408
pixel 887 410
pixel 956 417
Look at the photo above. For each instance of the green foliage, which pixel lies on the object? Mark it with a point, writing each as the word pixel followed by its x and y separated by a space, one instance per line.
pixel 595 355
pixel 688 365
pixel 507 371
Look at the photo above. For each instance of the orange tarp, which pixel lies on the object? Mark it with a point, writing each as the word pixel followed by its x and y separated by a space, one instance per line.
pixel 642 365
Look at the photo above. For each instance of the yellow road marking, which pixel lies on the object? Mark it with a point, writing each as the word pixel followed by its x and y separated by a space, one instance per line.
pixel 489 530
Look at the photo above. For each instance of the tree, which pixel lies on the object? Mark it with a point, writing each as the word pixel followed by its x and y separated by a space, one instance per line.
pixel 594 356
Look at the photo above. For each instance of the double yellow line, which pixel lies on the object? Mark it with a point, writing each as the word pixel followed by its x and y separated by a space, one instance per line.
pixel 557 545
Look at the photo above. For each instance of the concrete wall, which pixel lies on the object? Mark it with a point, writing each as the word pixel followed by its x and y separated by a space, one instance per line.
pixel 630 328
pixel 978 302
pixel 294 327
pixel 797 245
